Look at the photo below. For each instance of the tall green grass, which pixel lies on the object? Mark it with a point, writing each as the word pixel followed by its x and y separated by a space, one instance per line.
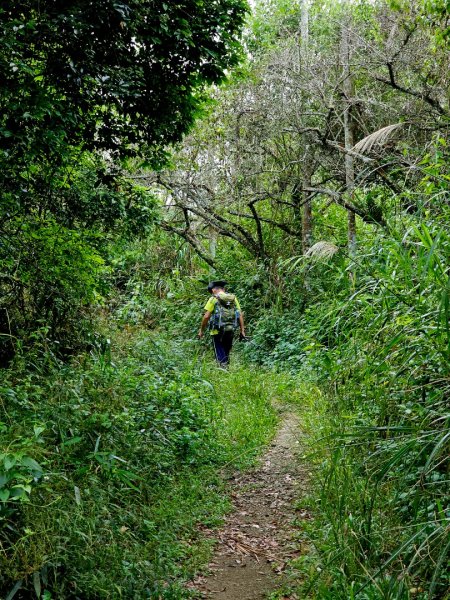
pixel 381 354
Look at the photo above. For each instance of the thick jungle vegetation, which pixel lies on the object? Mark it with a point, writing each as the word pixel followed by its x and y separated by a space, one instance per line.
pixel 301 152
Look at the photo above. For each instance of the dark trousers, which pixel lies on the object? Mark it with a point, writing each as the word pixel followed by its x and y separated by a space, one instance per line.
pixel 222 343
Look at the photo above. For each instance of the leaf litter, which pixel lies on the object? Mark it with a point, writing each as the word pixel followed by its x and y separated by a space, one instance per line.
pixel 256 542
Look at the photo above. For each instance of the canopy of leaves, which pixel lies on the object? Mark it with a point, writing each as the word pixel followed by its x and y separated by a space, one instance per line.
pixel 85 84
pixel 115 75
pixel 274 143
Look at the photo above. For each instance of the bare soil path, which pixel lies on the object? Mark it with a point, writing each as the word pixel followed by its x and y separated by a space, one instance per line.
pixel 256 539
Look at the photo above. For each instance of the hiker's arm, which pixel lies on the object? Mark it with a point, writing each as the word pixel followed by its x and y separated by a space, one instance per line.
pixel 241 324
pixel 204 323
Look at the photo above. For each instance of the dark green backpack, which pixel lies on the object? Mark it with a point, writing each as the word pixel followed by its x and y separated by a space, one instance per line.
pixel 225 315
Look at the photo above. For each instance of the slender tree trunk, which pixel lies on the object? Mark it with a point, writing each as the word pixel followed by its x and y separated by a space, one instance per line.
pixel 297 200
pixel 307 221
pixel 304 28
pixel 307 226
pixel 212 249
pixel 349 127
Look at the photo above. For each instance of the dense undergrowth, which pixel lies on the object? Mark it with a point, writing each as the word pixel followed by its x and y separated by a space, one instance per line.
pixel 377 342
pixel 111 460
pixel 109 463
pixel 115 429
pixel 372 334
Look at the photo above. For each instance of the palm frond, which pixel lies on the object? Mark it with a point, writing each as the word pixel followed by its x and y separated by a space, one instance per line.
pixel 377 138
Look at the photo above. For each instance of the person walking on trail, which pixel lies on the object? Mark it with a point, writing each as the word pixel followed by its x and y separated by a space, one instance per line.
pixel 223 315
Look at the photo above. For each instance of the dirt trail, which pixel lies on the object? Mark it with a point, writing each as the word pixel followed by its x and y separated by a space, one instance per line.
pixel 256 539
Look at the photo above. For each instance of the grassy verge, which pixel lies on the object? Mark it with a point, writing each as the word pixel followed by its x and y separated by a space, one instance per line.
pixel 362 542
pixel 108 465
pixel 380 436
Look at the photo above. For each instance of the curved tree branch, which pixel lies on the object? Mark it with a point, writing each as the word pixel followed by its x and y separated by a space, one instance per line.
pixel 392 82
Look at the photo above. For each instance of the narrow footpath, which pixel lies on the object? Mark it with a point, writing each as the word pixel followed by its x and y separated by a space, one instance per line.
pixel 256 540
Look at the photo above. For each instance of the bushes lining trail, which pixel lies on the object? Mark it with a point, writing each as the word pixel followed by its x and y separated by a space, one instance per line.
pixel 113 460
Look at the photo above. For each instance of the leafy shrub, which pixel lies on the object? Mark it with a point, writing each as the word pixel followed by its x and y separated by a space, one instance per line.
pixel 130 441
pixel 46 285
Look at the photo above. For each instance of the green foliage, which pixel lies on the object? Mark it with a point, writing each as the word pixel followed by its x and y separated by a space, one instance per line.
pixel 381 354
pixel 110 460
pixel 18 472
pixel 270 21
pixel 50 274
pixel 84 85
pixel 105 496
pixel 96 195
pixel 115 76
pixel 54 239
pixel 435 13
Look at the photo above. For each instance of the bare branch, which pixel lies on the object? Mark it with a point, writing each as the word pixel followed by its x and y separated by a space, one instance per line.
pixel 392 82
pixel 189 237
pixel 281 226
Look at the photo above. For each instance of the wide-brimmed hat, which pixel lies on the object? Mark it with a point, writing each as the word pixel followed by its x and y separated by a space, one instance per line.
pixel 216 284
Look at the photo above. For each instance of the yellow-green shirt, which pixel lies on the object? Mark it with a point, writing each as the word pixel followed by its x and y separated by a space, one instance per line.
pixel 210 305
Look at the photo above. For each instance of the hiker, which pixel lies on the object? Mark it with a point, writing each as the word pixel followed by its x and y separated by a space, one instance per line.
pixel 223 314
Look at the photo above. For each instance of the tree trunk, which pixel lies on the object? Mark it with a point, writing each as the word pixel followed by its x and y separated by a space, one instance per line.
pixel 307 169
pixel 307 221
pixel 304 28
pixel 349 127
pixel 212 234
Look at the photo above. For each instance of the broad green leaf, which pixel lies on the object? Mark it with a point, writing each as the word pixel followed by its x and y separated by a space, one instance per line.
pixel 4 495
